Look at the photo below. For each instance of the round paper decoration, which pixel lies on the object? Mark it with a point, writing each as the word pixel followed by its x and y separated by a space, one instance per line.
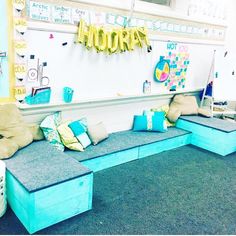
pixel 162 70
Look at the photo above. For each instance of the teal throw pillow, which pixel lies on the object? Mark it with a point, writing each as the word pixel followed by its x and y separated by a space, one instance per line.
pixel 151 122
pixel 79 130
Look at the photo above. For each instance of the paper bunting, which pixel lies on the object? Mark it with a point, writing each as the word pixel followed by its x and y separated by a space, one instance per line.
pixel 20 25
pixel 20 48
pixel 20 71
pixel 19 5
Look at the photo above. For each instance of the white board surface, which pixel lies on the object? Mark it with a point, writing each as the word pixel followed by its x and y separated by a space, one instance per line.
pixel 224 87
pixel 95 75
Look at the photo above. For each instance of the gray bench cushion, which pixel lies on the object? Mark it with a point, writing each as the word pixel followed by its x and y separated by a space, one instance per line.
pixel 40 165
pixel 215 123
pixel 124 140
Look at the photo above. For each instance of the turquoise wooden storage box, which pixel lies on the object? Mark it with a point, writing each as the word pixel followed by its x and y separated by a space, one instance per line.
pixel 47 187
pixel 215 135
pixel 40 209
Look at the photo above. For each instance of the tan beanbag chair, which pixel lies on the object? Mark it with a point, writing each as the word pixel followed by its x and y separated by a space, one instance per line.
pixel 185 105
pixel 14 132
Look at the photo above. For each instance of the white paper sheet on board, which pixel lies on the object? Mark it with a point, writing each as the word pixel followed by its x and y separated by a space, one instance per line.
pixel 225 75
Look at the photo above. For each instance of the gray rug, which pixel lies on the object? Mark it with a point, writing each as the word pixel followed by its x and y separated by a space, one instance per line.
pixel 182 191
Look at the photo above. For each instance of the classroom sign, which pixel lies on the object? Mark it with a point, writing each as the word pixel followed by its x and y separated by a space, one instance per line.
pixel 40 11
pixel 61 15
pixel 78 14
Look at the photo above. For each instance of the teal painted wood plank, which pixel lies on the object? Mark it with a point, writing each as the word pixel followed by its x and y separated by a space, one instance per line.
pixel 19 210
pixel 59 212
pixel 155 148
pixel 58 193
pixel 111 160
pixel 16 190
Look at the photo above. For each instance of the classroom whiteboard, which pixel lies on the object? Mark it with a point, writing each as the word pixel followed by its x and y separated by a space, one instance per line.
pixel 224 85
pixel 95 75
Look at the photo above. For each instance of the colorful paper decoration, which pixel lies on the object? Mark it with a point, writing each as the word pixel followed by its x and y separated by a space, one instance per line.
pixel 112 41
pixel 178 58
pixel 162 70
pixel 19 5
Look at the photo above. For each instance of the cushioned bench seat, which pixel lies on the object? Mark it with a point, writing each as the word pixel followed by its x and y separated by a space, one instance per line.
pixel 212 134
pixel 126 146
pixel 44 186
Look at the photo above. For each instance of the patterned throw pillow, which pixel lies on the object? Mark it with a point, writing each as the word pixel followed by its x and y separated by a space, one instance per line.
pixel 79 130
pixel 68 138
pixel 150 122
pixel 49 127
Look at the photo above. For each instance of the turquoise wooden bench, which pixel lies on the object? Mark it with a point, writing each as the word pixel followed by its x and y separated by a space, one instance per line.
pixel 215 135
pixel 45 186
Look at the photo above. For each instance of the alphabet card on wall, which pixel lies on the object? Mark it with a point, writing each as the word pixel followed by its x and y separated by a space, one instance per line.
pixel 61 15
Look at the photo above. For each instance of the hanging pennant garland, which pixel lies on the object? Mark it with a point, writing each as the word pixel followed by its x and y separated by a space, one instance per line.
pixel 20 71
pixel 20 25
pixel 20 48
pixel 19 5
pixel 115 40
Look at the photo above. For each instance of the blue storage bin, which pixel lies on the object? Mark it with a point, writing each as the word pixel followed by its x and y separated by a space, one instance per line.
pixel 40 98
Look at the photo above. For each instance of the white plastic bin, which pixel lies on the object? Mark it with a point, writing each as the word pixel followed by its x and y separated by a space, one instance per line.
pixel 3 197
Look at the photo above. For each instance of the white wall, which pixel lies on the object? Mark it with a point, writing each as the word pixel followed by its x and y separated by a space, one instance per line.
pixel 119 117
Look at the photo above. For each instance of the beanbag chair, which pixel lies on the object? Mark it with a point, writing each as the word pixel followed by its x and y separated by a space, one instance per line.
pixel 185 105
pixel 14 132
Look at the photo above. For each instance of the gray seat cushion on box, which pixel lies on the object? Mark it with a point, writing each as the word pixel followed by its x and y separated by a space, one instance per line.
pixel 124 140
pixel 41 165
pixel 215 123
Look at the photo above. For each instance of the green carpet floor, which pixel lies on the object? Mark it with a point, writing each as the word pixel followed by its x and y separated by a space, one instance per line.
pixel 182 191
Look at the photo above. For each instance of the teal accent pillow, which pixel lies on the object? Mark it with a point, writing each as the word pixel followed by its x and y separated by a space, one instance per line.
pixel 154 121
pixel 79 130
pixel 49 128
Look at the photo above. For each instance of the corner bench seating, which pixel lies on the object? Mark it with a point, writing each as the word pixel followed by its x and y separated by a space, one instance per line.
pixel 46 186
